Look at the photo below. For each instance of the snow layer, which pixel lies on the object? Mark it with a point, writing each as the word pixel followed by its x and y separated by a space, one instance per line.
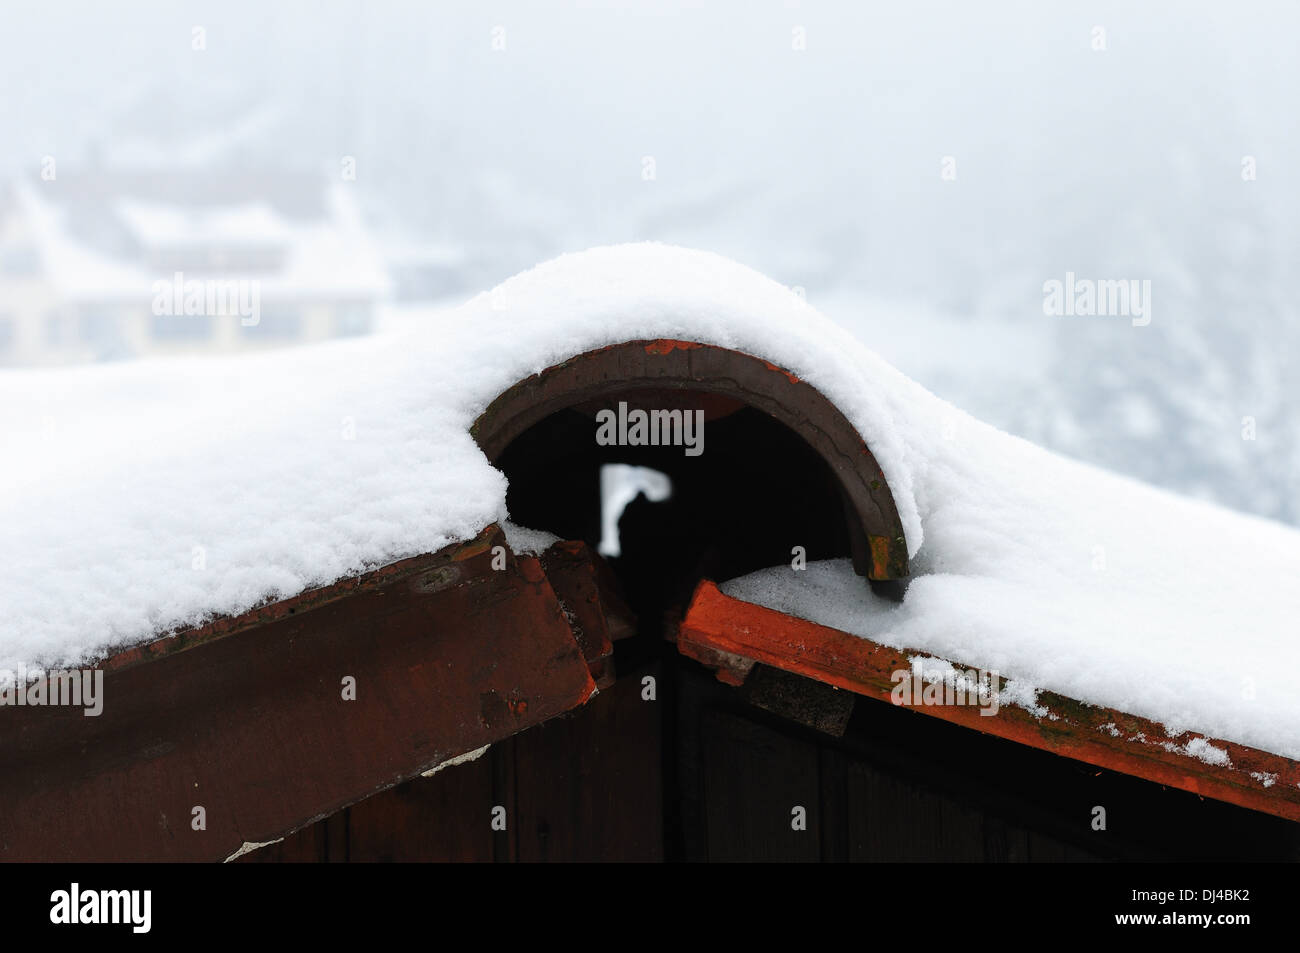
pixel 138 498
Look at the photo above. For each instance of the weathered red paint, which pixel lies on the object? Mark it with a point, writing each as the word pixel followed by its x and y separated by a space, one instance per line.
pixel 583 591
pixel 732 635
pixel 668 345
pixel 245 717
pixel 880 550
pixel 792 378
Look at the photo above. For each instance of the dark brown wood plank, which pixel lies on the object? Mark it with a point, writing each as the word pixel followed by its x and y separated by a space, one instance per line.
pixel 753 779
pixel 440 818
pixel 589 784
pixel 322 842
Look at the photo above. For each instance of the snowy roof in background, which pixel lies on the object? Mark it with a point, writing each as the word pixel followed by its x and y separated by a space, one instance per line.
pixel 329 255
pixel 148 496
pixel 74 268
pixel 156 224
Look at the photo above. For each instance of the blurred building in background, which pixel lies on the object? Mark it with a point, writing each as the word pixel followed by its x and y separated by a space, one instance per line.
pixel 86 256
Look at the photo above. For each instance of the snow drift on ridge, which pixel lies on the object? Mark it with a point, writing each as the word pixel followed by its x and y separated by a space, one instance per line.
pixel 140 498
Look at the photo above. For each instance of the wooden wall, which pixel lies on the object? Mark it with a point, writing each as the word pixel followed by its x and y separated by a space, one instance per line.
pixel 584 786
pixel 702 774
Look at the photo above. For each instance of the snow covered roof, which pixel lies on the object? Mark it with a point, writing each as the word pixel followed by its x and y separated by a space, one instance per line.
pixel 77 270
pixel 149 496
pixel 155 224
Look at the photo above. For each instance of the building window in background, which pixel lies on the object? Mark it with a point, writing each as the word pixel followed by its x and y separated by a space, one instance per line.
pixel 58 332
pixel 101 328
pixel 278 323
pixel 351 320
pixel 180 327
